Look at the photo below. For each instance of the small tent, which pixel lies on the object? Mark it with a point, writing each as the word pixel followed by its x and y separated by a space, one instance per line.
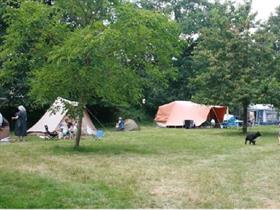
pixel 177 112
pixel 4 129
pixel 130 125
pixel 57 115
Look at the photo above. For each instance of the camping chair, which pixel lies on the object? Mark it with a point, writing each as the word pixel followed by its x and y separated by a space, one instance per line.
pixel 51 135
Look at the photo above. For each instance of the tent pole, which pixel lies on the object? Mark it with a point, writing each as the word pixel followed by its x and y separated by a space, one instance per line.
pixel 95 118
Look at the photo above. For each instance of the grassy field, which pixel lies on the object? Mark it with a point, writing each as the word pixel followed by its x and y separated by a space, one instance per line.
pixel 151 168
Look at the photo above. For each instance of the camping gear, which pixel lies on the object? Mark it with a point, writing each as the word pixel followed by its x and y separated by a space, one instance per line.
pixel 130 125
pixel 56 115
pixel 231 121
pixel 188 124
pixel 4 130
pixel 99 134
pixel 176 113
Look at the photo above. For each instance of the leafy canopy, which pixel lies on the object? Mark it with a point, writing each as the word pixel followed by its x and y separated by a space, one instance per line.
pixel 110 62
pixel 33 29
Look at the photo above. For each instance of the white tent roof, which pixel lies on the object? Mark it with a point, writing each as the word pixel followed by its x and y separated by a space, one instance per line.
pixel 56 114
pixel 261 107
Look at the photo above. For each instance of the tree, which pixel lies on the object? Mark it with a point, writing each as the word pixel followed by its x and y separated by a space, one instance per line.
pixel 272 26
pixel 112 63
pixel 269 35
pixel 179 10
pixel 33 29
pixel 80 13
pixel 233 65
pixel 4 5
pixel 191 16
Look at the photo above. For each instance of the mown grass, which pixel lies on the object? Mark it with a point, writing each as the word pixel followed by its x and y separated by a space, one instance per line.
pixel 151 168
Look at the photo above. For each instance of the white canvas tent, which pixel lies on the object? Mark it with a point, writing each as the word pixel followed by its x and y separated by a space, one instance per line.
pixel 54 119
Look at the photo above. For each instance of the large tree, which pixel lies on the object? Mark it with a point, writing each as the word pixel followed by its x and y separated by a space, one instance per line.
pixel 234 65
pixel 109 62
pixel 269 35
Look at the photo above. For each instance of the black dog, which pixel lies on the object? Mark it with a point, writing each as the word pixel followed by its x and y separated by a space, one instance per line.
pixel 251 137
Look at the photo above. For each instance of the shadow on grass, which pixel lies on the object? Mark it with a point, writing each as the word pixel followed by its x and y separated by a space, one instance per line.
pixel 104 149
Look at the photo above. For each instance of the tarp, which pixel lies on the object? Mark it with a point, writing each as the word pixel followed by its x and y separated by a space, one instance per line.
pixel 54 119
pixel 176 112
pixel 230 121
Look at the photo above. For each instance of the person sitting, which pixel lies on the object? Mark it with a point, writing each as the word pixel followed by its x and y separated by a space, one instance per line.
pixel 120 126
pixel 60 131
pixel 72 128
pixel 68 129
pixel 65 132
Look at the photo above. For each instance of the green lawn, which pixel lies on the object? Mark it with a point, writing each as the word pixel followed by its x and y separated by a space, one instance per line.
pixel 151 168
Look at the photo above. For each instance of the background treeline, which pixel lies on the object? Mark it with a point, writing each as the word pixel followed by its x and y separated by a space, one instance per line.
pixel 111 54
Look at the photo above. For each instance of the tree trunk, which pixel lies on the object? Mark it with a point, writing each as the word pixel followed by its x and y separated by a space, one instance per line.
pixel 79 130
pixel 245 116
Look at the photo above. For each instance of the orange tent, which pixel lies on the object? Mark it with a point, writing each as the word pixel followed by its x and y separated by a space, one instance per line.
pixel 176 112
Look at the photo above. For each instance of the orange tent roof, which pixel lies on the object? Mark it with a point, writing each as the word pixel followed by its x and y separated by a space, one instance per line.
pixel 176 112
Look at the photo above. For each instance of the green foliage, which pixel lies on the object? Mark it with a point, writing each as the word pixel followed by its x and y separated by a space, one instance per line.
pixel 272 24
pixel 111 63
pixel 268 63
pixel 4 5
pixel 191 15
pixel 231 62
pixel 269 35
pixel 234 65
pixel 136 113
pixel 80 13
pixel 82 68
pixel 33 30
pixel 150 42
pixel 180 10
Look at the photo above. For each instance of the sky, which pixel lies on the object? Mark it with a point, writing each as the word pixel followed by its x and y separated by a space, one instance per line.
pixel 264 7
